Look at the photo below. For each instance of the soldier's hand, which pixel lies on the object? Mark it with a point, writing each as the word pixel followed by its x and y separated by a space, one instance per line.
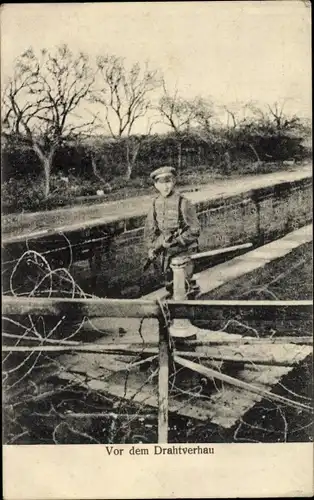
pixel 151 254
pixel 171 243
pixel 166 244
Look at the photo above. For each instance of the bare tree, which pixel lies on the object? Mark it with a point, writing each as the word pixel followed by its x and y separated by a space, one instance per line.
pixel 176 112
pixel 280 118
pixel 42 99
pixel 274 116
pixel 205 114
pixel 125 95
pixel 234 113
pixel 183 115
pixel 264 120
pixel 231 116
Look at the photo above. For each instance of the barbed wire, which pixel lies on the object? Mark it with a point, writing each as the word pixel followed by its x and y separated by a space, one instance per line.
pixel 50 396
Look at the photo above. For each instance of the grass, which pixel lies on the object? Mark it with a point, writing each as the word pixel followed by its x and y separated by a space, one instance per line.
pixel 287 278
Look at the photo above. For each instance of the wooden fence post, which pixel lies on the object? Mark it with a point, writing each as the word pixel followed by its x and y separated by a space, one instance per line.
pixel 163 381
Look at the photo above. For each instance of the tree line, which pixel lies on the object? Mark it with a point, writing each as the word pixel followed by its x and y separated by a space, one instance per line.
pixel 59 105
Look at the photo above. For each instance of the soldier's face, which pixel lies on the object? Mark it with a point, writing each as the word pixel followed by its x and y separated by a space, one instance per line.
pixel 165 185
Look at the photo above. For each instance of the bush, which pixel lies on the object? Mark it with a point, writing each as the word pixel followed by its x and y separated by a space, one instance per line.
pixel 75 160
pixel 25 195
pixel 221 153
pixel 20 196
pixel 136 182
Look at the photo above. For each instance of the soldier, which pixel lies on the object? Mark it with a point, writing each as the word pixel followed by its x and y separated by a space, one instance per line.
pixel 172 226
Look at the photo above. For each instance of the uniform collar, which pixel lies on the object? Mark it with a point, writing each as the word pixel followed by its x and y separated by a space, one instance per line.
pixel 171 195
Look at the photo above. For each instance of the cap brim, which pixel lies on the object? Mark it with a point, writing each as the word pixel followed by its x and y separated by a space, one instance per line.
pixel 168 174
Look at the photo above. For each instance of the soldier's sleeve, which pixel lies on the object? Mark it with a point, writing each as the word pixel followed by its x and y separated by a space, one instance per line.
pixel 191 231
pixel 152 235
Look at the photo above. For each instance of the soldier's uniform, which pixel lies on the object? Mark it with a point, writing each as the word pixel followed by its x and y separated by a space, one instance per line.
pixel 171 218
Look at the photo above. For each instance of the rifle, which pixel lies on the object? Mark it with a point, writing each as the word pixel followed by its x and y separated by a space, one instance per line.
pixel 172 236
pixel 148 263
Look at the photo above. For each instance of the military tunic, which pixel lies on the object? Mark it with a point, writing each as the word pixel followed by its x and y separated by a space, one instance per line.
pixel 173 214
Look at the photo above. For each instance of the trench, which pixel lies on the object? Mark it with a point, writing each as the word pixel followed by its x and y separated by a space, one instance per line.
pixel 260 217
pixel 106 259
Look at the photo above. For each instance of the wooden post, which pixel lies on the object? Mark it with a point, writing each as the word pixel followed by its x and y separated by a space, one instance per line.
pixel 163 381
pixel 181 328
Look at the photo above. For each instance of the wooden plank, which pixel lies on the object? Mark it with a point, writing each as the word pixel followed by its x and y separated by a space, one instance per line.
pixel 232 404
pixel 220 251
pixel 233 355
pixel 132 340
pixel 79 308
pixel 100 415
pixel 241 340
pixel 141 394
pixel 224 408
pixel 271 355
pixel 210 373
pixel 259 304
pixel 261 309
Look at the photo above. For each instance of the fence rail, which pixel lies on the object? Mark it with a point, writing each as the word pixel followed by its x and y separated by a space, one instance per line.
pixel 137 308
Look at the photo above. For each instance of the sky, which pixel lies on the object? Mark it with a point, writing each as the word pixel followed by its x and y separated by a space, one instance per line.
pixel 228 51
